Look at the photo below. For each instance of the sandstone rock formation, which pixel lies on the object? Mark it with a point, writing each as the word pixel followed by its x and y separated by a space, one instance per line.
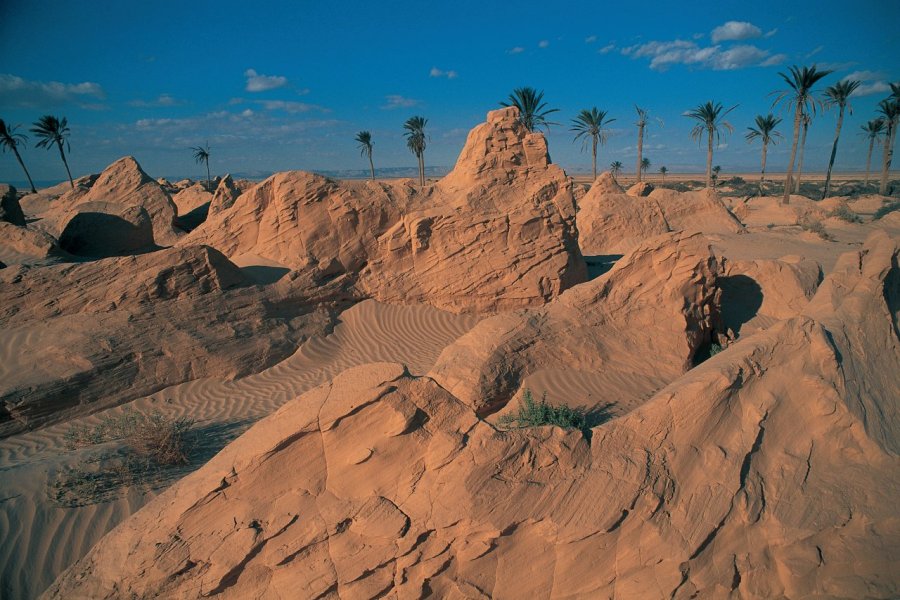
pixel 612 223
pixel 640 189
pixel 23 244
pixel 667 285
pixel 106 331
pixel 191 198
pixel 771 470
pixel 102 229
pixel 10 211
pixel 606 184
pixel 226 193
pixel 498 232
pixel 123 183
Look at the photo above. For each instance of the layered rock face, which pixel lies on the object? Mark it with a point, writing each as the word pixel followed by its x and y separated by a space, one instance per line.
pixel 496 233
pixel 95 334
pixel 611 222
pixel 771 470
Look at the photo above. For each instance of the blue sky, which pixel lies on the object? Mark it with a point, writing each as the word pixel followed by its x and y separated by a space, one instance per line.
pixel 286 86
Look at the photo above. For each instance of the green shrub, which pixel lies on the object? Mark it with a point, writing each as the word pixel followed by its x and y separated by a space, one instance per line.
pixel 537 414
pixel 151 444
pixel 813 225
pixel 714 349
pixel 886 209
pixel 843 212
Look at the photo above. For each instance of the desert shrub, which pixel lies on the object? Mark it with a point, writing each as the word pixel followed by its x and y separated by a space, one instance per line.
pixel 536 414
pixel 714 349
pixel 813 225
pixel 886 209
pixel 843 212
pixel 736 181
pixel 151 445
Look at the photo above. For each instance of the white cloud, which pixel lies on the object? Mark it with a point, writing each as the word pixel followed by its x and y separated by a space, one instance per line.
pixel 864 75
pixel 543 44
pixel 290 107
pixel 662 55
pixel 876 87
pixel 607 49
pixel 398 101
pixel 18 92
pixel 815 51
pixel 735 30
pixel 257 82
pixel 590 39
pixel 435 72
pixel 162 100
pixel 516 50
pixel 771 32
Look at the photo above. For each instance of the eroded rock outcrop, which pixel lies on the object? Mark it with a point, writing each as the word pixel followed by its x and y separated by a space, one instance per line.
pixel 496 233
pixel 122 183
pixel 10 211
pixel 667 286
pixel 102 229
pixel 91 335
pixel 755 475
pixel 612 223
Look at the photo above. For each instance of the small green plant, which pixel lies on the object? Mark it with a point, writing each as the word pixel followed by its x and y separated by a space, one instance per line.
pixel 537 414
pixel 885 209
pixel 843 212
pixel 813 225
pixel 714 349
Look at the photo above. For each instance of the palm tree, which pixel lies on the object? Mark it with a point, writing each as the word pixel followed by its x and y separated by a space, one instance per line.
pixel 710 121
pixel 52 131
pixel 642 121
pixel 662 171
pixel 615 168
pixel 533 110
pixel 799 95
pixel 10 140
pixel 416 142
pixel 890 111
pixel 590 125
pixel 765 131
pixel 364 138
pixel 838 95
pixel 645 165
pixel 807 119
pixel 201 155
pixel 872 130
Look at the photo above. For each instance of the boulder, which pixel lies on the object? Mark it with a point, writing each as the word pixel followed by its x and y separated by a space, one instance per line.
pixel 102 229
pixel 191 198
pixel 640 189
pixel 23 245
pixel 606 184
pixel 10 211
pixel 225 195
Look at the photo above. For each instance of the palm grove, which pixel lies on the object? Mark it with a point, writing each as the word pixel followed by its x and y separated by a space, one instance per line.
pixel 591 128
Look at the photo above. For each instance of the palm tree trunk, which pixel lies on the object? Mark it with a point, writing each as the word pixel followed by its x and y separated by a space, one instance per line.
pixel 709 152
pixel 869 160
pixel 69 173
pixel 371 166
pixel 789 181
pixel 888 156
pixel 422 170
pixel 762 174
pixel 594 155
pixel 640 152
pixel 800 159
pixel 22 164
pixel 208 178
pixel 837 134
